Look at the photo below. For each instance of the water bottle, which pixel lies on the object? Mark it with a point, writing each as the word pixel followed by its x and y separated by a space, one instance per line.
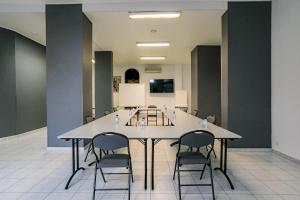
pixel 204 123
pixel 143 122
pixel 117 119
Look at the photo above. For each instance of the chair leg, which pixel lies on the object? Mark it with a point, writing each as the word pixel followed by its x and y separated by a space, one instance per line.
pixel 202 171
pixel 175 169
pixel 212 181
pixel 95 178
pixel 178 174
pixel 102 175
pixel 131 170
pixel 129 181
pixel 214 153
pixel 87 153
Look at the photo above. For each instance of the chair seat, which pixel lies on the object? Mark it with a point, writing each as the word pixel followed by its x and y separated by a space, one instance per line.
pixel 189 158
pixel 114 160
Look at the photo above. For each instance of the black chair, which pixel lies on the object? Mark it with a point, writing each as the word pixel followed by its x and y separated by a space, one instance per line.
pixel 88 119
pixel 184 109
pixel 106 112
pixel 195 113
pixel 211 119
pixel 112 141
pixel 152 114
pixel 198 139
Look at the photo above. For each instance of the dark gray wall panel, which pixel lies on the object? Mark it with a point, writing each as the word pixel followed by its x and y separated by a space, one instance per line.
pixel 31 84
pixel 206 81
pixel 224 71
pixel 87 66
pixel 7 83
pixel 103 81
pixel 249 73
pixel 194 79
pixel 65 70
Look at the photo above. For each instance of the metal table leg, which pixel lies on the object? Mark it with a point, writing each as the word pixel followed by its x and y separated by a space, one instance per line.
pixel 144 142
pixel 223 162
pixel 153 143
pixel 75 161
pixel 145 159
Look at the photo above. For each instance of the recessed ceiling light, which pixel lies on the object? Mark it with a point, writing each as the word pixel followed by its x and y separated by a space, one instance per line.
pixel 153 44
pixel 153 58
pixel 153 15
pixel 93 61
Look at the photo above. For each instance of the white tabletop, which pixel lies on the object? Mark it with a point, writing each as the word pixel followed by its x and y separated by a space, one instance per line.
pixel 183 123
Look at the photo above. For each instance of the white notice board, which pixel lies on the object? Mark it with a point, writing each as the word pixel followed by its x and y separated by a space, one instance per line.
pixel 181 98
pixel 131 95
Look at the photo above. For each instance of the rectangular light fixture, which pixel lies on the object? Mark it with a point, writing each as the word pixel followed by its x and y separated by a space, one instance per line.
pixel 153 44
pixel 153 15
pixel 153 58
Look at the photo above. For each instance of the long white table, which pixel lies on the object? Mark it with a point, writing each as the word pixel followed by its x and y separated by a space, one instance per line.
pixel 181 123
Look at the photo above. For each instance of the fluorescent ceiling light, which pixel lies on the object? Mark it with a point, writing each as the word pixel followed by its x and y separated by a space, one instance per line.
pixel 153 15
pixel 153 58
pixel 153 44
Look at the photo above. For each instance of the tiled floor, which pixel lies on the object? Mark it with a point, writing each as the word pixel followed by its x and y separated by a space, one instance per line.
pixel 28 171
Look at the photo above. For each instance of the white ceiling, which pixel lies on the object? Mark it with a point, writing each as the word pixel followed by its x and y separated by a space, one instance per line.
pixel 31 25
pixel 114 31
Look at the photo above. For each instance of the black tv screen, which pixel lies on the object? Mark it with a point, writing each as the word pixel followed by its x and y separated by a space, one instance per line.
pixel 161 86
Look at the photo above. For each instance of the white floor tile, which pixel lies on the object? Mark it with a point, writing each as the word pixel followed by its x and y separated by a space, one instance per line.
pixel 30 172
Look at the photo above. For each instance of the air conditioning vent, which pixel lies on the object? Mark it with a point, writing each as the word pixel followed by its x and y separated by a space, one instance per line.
pixel 153 69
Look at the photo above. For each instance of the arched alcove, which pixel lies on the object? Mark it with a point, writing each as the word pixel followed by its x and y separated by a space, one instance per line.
pixel 132 76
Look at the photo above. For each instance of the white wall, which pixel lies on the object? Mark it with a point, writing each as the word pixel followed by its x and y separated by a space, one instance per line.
pixel 286 77
pixel 180 74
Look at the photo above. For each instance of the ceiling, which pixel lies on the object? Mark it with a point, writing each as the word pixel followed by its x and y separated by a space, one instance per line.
pixel 31 25
pixel 114 31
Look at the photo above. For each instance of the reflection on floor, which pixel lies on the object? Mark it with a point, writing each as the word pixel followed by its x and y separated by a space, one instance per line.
pixel 29 171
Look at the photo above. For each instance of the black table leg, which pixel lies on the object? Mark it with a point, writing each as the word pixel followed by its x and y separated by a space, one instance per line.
pixel 144 142
pixel 152 164
pixel 223 162
pixel 153 143
pixel 145 158
pixel 75 161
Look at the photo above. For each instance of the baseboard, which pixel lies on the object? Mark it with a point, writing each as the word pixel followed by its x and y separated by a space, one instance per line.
pixel 8 138
pixel 286 156
pixel 250 149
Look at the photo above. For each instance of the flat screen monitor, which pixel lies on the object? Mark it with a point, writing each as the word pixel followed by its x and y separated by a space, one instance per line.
pixel 162 86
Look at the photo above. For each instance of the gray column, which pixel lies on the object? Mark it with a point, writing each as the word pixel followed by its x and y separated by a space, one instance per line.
pixel 69 54
pixel 22 84
pixel 206 81
pixel 246 73
pixel 7 83
pixel 103 82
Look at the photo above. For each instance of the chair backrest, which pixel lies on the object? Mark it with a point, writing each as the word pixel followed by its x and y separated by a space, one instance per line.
pixel 88 119
pixel 110 141
pixel 211 119
pixel 197 138
pixel 106 112
pixel 195 113
pixel 184 109
pixel 152 106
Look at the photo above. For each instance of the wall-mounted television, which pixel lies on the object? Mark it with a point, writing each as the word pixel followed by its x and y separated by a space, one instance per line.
pixel 162 86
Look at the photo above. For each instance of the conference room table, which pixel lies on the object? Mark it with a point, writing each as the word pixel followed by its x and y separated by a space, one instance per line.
pixel 181 122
